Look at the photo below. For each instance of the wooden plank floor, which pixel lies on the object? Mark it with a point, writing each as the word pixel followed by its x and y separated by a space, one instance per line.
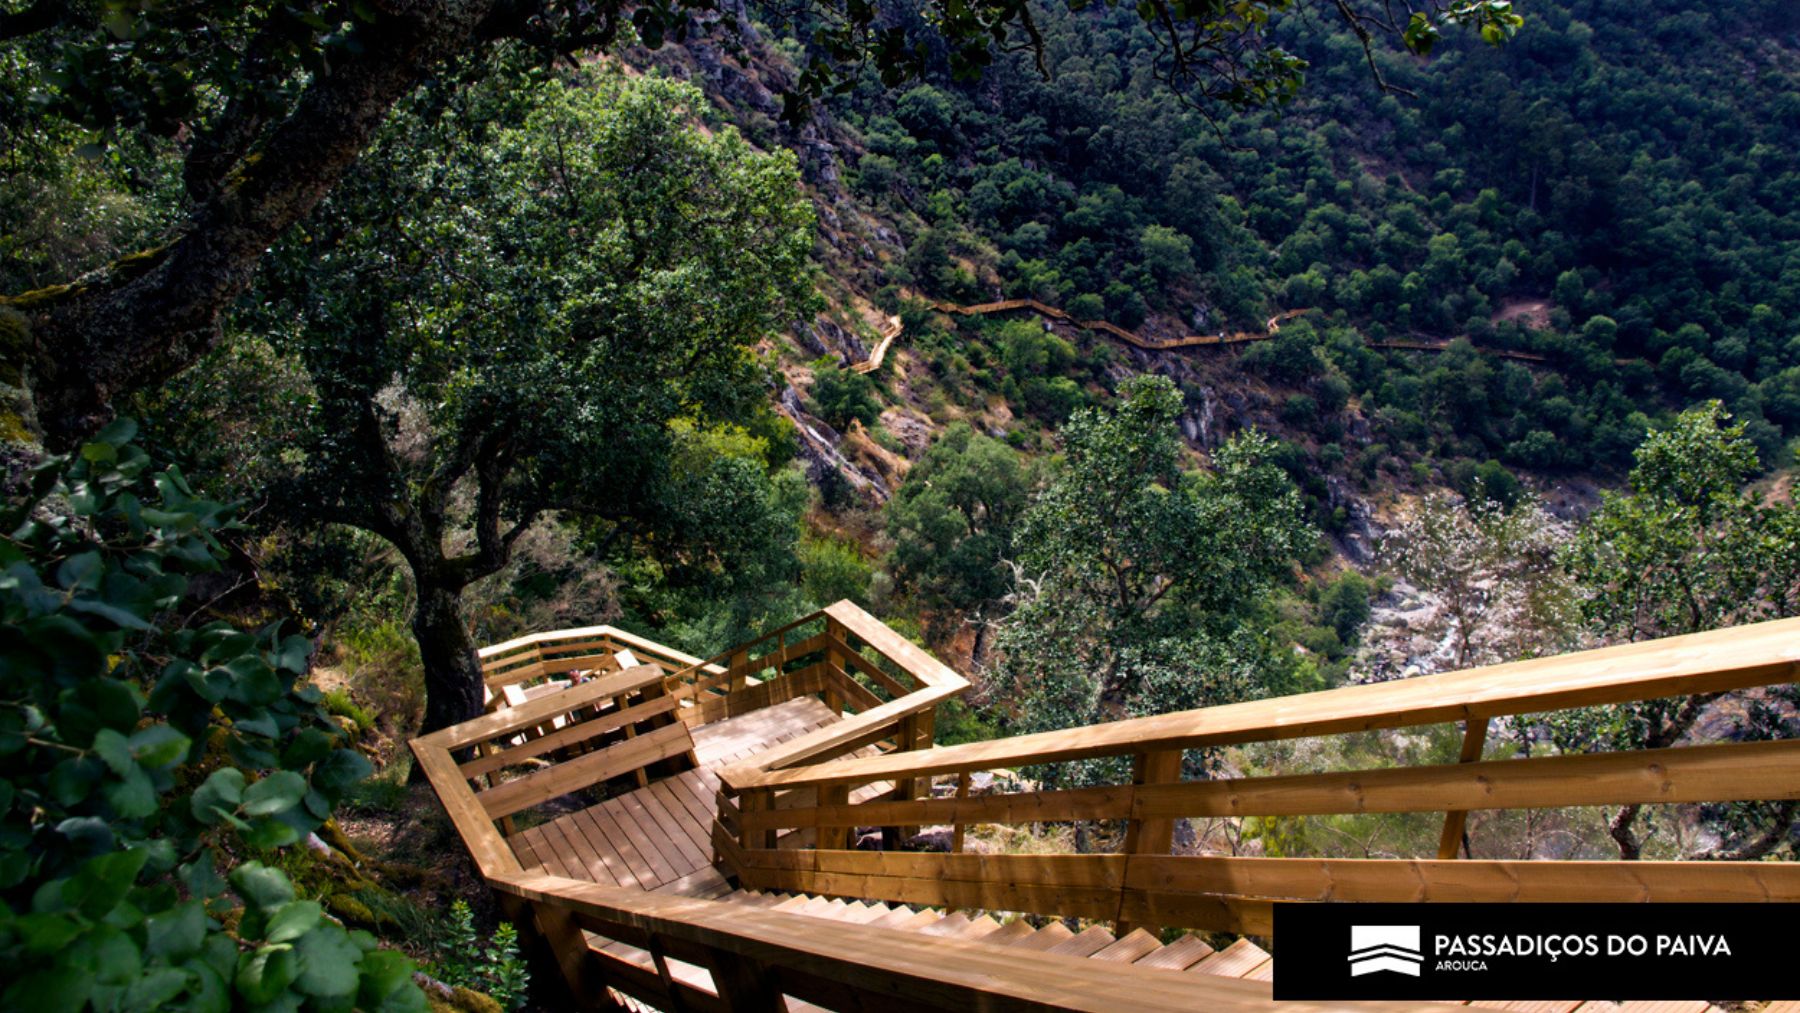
pixel 660 837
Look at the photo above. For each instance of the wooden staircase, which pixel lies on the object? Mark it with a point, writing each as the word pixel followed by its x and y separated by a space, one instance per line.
pixel 1189 953
pixel 690 835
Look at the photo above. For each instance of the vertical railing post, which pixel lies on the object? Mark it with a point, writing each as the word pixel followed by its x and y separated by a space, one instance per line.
pixel 835 667
pixel 750 801
pixel 1455 820
pixel 915 732
pixel 833 838
pixel 745 984
pixel 958 828
pixel 1150 836
pixel 736 682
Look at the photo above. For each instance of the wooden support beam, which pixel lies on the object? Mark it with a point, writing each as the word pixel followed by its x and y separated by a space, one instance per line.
pixel 750 803
pixel 557 927
pixel 834 662
pixel 1474 739
pixel 834 837
pixel 746 985
pixel 1149 835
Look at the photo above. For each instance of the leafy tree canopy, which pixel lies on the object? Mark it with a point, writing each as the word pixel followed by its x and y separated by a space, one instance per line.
pixel 526 301
pixel 268 105
pixel 952 520
pixel 1690 549
pixel 1136 577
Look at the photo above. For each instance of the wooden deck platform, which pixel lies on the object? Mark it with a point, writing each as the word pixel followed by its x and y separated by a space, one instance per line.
pixel 660 837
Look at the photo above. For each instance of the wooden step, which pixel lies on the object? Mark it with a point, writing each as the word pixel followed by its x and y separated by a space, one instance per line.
pixel 895 917
pixel 1234 961
pixel 1046 937
pixel 1086 943
pixel 979 928
pixel 862 914
pixel 1179 955
pixel 1136 945
pixel 920 919
pixel 1010 934
pixel 949 925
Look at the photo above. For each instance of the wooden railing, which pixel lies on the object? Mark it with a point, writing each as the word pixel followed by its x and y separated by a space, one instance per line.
pixel 1144 884
pixel 614 729
pixel 623 726
pixel 538 657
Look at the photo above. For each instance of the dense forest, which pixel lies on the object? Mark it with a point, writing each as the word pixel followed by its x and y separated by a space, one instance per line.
pixel 1608 192
pixel 551 317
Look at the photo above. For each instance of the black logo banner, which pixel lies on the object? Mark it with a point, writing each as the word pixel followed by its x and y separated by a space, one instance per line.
pixel 1536 951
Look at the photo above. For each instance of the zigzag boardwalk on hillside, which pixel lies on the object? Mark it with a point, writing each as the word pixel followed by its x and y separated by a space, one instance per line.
pixel 892 330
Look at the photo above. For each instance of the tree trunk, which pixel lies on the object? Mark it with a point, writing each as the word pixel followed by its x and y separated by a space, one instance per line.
pixel 452 671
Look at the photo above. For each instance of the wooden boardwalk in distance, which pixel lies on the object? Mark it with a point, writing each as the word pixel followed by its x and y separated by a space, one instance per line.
pixel 891 330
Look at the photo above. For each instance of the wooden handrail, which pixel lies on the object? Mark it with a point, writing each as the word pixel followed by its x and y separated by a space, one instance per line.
pixel 1717 773
pixel 534 712
pixel 1716 661
pixel 888 968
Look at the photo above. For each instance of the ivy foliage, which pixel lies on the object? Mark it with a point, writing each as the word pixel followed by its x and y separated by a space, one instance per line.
pixel 143 751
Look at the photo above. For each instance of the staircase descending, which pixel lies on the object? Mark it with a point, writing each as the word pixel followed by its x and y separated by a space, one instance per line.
pixel 1242 959
pixel 697 835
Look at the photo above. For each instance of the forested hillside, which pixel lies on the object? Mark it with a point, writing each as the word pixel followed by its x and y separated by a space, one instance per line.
pixel 337 340
pixel 1610 191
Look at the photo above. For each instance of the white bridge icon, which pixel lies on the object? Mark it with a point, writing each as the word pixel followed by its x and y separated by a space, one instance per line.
pixel 1385 948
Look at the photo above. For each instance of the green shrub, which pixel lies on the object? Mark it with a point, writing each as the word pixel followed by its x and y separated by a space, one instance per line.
pixel 831 570
pixel 142 757
pixel 839 396
pixel 493 967
pixel 340 703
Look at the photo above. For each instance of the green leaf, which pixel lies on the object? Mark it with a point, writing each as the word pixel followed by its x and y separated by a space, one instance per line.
pixel 201 877
pixel 293 654
pixel 339 771
pixel 108 611
pixel 132 796
pixel 116 957
pixel 177 933
pixel 45 933
pixel 293 920
pixel 266 834
pixel 81 571
pixel 156 989
pixel 58 988
pixel 222 793
pixel 118 432
pixel 159 746
pixel 384 973
pixel 328 962
pixel 103 882
pixel 261 886
pixel 267 973
pixel 276 793
pixel 113 748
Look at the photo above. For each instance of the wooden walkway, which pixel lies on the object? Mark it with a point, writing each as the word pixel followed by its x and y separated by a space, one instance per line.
pixel 660 837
